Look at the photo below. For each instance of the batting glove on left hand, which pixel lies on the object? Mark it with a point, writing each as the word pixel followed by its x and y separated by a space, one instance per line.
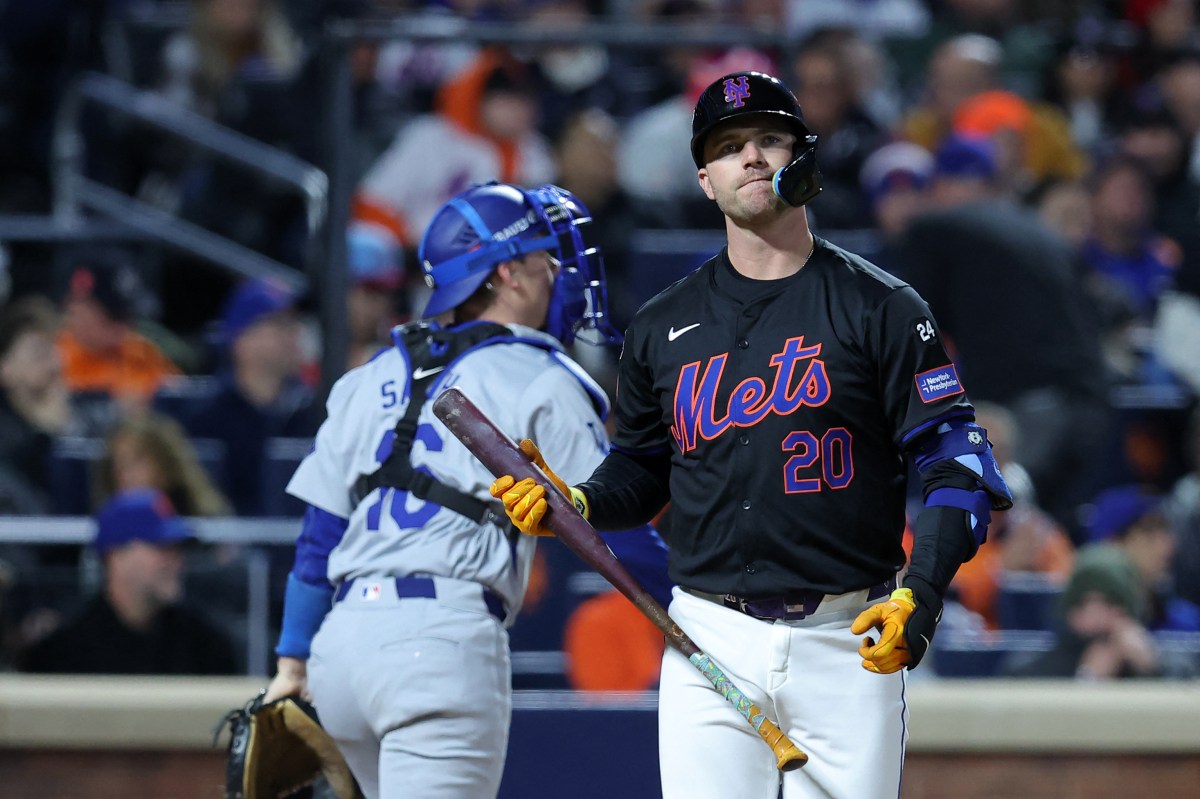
pixel 906 624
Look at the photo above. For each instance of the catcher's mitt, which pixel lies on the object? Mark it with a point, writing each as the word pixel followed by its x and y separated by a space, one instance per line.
pixel 278 749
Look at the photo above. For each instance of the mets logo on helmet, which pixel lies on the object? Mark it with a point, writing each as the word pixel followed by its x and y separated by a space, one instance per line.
pixel 736 91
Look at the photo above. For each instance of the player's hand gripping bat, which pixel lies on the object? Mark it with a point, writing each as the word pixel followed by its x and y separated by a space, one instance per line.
pixel 501 456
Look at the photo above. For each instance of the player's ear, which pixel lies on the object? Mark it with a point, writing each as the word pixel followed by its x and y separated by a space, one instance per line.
pixel 705 183
pixel 506 273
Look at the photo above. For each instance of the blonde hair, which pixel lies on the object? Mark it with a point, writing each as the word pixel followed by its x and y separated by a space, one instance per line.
pixel 183 479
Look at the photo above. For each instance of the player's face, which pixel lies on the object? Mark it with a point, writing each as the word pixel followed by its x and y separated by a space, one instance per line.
pixel 534 277
pixel 741 159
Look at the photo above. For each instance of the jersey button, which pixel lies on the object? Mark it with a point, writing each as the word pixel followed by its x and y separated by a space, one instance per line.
pixel 751 568
pixel 745 504
pixel 743 344
pixel 744 440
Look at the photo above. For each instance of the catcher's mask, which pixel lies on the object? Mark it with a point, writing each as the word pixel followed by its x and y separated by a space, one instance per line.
pixel 740 94
pixel 488 224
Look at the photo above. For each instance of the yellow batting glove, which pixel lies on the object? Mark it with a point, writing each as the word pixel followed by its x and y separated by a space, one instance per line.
pixel 534 454
pixel 525 502
pixel 891 653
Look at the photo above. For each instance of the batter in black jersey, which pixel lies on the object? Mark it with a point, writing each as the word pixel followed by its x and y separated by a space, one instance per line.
pixel 775 397
pixel 784 405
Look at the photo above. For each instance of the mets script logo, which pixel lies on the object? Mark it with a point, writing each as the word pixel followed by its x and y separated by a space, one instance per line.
pixel 751 400
pixel 736 91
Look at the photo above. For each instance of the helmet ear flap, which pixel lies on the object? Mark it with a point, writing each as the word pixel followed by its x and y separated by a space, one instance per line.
pixel 800 181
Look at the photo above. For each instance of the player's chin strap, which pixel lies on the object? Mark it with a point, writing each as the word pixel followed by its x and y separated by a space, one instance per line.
pixel 429 350
pixel 799 181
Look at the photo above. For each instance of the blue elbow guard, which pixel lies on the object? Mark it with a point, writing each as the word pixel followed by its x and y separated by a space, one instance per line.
pixel 976 503
pixel 964 445
pixel 304 608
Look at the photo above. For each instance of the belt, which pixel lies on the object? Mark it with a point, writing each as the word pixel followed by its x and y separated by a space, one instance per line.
pixel 790 607
pixel 413 587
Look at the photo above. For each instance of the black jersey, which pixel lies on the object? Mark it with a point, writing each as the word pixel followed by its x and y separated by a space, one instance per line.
pixel 785 410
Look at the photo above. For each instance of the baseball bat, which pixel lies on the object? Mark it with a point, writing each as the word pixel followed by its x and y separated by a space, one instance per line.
pixel 501 456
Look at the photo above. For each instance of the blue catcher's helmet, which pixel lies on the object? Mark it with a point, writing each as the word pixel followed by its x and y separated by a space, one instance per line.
pixel 488 224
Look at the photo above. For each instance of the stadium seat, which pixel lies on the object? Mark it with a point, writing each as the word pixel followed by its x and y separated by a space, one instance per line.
pixel 71 459
pixel 985 654
pixel 281 456
pixel 180 398
pixel 1027 601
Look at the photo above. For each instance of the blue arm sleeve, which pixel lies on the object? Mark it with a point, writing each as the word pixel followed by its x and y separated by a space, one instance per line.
pixel 644 554
pixel 309 594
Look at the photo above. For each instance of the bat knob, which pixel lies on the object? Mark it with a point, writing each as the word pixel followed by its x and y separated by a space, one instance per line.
pixel 790 759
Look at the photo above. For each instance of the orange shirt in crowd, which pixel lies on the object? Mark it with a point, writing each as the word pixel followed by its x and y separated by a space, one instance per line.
pixel 136 369
pixel 1034 544
pixel 611 646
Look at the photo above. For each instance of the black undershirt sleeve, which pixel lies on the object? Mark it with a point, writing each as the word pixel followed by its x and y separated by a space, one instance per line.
pixel 627 491
pixel 942 537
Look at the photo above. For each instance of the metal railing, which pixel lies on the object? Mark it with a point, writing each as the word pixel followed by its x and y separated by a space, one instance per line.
pixel 74 191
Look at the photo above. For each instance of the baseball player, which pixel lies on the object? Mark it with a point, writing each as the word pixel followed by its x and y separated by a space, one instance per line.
pixel 773 396
pixel 407 572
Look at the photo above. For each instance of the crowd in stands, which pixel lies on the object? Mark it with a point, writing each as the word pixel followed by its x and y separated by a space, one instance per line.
pixel 1033 169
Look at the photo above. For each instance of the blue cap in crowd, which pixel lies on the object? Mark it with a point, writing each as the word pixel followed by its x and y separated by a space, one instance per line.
pixel 253 301
pixel 1115 510
pixel 965 157
pixel 141 514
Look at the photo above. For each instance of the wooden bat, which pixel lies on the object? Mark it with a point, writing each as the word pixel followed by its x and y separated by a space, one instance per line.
pixel 501 456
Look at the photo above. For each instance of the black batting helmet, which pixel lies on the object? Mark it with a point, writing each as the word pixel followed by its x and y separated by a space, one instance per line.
pixel 742 93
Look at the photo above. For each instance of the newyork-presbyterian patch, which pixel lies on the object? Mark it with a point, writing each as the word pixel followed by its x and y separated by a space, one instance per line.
pixel 938 383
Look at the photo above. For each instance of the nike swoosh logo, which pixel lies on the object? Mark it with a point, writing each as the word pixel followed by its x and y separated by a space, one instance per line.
pixel 673 334
pixel 421 374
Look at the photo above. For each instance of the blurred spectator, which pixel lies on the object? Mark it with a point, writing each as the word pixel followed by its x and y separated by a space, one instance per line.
pixel 1024 43
pixel 573 77
pixel 1004 289
pixel 1182 509
pixel 226 39
pixel 585 154
pixel 1154 138
pixel 1021 539
pixel 485 129
pixel 847 135
pixel 1179 83
pixel 1081 81
pixel 1066 208
pixel 1100 636
pixel 654 162
pixel 1162 28
pixel 34 404
pixel 376 277
pixel 153 451
pixel 103 356
pixel 261 395
pixel 136 624
pixel 1132 521
pixel 1123 249
pixel 610 645
pixel 959 69
pixel 1032 141
pixel 895 179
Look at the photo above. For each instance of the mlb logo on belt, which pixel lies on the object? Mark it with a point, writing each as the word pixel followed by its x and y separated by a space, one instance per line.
pixel 938 383
pixel 371 591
